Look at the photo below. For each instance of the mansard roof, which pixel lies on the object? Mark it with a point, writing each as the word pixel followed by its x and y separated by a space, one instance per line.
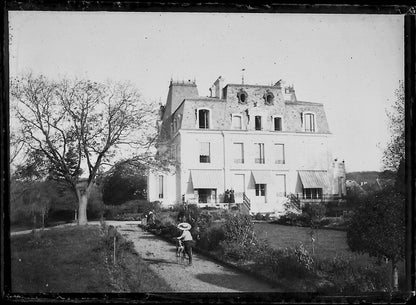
pixel 184 101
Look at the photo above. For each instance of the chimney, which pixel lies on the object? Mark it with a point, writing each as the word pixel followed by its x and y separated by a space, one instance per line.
pixel 219 84
pixel 289 93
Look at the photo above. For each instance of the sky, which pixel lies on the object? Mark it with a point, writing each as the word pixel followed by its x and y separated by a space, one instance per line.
pixel 350 63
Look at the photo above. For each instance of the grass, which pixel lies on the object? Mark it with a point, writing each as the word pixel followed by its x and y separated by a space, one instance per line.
pixel 328 243
pixel 75 259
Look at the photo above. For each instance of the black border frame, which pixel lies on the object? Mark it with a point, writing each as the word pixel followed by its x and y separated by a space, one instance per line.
pixel 353 7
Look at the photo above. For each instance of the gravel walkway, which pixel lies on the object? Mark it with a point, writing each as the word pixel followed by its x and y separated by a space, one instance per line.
pixel 203 276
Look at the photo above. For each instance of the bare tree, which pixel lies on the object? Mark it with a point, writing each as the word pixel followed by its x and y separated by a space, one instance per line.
pixel 82 125
pixel 16 146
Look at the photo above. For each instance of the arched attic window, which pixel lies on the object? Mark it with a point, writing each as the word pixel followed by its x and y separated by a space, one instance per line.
pixel 242 96
pixel 204 118
pixel 268 98
pixel 308 122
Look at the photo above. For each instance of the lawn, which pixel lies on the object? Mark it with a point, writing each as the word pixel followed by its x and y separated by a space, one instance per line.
pixel 74 259
pixel 328 243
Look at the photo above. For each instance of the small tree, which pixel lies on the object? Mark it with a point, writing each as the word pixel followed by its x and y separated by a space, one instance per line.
pixel 33 198
pixel 377 227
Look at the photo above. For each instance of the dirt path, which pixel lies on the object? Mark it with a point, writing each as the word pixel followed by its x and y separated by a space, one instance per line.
pixel 203 276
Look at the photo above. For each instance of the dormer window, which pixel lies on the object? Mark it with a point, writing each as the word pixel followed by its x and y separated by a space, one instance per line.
pixel 242 96
pixel 203 118
pixel 277 124
pixel 257 122
pixel 268 98
pixel 237 121
pixel 309 122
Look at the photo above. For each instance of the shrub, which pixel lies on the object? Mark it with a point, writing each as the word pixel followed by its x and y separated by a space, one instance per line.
pixel 170 230
pixel 239 228
pixel 145 206
pixel 210 238
pixel 258 216
pixel 236 251
pixel 348 276
pixel 128 217
pixel 189 213
pixel 127 208
pixel 239 239
pixel 293 219
pixel 107 242
pixel 293 262
pixel 314 212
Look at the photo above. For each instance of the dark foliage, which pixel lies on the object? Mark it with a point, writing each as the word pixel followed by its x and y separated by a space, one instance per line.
pixel 377 226
pixel 125 182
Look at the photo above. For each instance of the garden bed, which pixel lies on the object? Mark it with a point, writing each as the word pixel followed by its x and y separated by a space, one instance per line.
pixel 284 258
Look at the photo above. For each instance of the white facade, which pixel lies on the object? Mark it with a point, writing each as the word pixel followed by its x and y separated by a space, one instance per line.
pixel 260 147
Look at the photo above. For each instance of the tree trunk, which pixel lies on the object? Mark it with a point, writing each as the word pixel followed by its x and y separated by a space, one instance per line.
pixel 394 275
pixel 82 210
pixel 82 205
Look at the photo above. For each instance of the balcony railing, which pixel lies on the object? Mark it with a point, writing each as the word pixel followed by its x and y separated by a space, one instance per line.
pixel 240 161
pixel 323 197
pixel 279 162
pixel 259 160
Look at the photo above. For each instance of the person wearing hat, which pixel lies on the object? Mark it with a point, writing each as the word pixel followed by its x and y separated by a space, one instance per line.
pixel 187 239
pixel 151 218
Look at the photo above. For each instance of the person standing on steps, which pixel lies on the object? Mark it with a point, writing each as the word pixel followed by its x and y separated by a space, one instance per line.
pixel 187 239
pixel 232 198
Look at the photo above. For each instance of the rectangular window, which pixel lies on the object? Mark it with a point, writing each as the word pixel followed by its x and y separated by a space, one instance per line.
pixel 160 186
pixel 203 115
pixel 277 124
pixel 204 155
pixel 260 190
pixel 238 153
pixel 237 122
pixel 280 153
pixel 280 185
pixel 259 153
pixel 257 122
pixel 309 122
pixel 312 193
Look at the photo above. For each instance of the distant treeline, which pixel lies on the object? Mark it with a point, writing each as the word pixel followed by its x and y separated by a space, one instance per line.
pixel 370 176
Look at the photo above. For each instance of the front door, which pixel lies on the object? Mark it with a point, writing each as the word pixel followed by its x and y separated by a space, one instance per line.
pixel 239 187
pixel 206 195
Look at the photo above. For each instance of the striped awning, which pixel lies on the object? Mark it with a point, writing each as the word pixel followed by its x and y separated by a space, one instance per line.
pixel 261 177
pixel 206 179
pixel 314 179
